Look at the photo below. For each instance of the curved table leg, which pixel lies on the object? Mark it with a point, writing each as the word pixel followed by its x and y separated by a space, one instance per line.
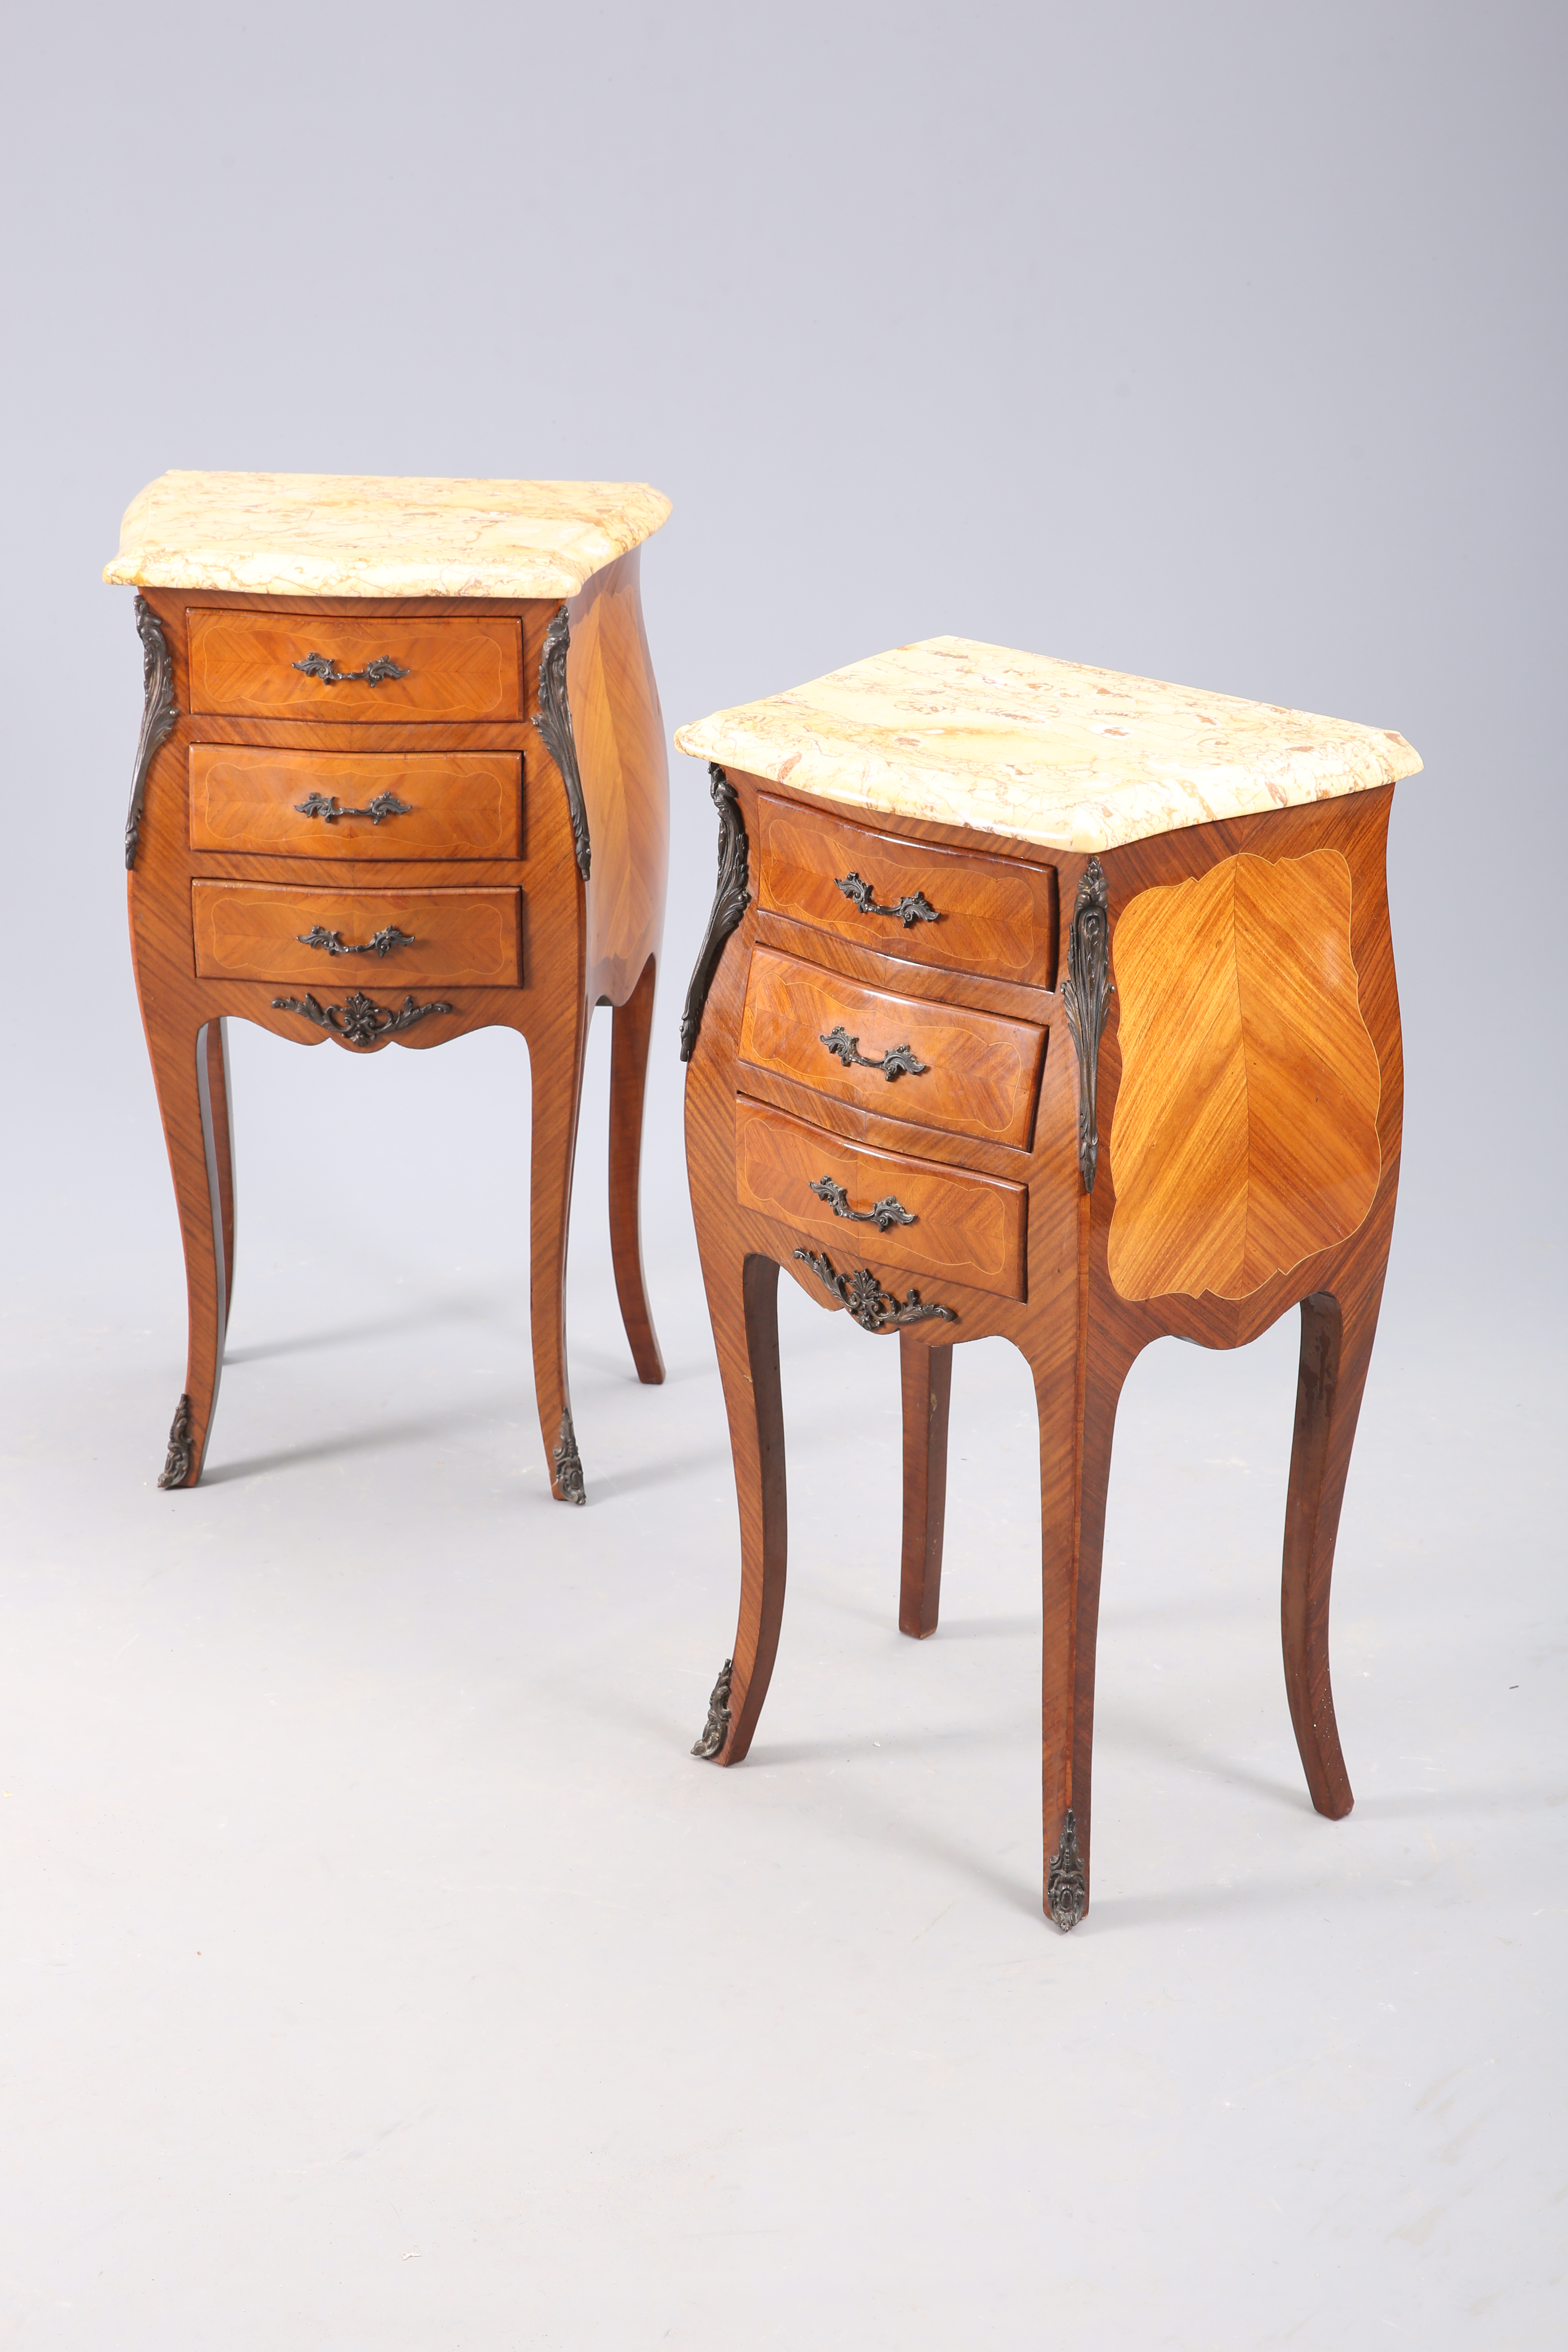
pixel 631 1026
pixel 1337 1336
pixel 555 1062
pixel 180 1057
pixel 925 1378
pixel 742 1298
pixel 223 1146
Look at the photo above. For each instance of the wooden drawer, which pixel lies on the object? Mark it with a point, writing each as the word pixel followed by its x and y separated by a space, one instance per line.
pixel 445 803
pixel 981 1074
pixel 246 666
pixel 967 1229
pixel 254 931
pixel 993 915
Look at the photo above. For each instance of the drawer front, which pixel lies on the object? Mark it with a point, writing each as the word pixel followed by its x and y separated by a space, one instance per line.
pixel 993 915
pixel 246 666
pixel 980 1074
pixel 366 804
pixel 964 1228
pixel 450 938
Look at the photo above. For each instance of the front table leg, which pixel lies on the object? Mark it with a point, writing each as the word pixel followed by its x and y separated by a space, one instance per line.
pixel 182 1074
pixel 1075 1472
pixel 223 1146
pixel 555 1064
pixel 743 1300
pixel 631 1026
pixel 1336 1349
pixel 925 1377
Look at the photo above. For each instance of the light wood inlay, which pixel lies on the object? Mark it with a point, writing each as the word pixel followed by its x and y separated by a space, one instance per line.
pixel 1245 1126
pixel 982 1075
pixel 456 803
pixel 251 930
pixel 969 1229
pixel 242 665
pixel 993 915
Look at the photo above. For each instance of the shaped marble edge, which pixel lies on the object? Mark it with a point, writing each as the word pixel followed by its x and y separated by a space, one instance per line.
pixel 1046 752
pixel 378 535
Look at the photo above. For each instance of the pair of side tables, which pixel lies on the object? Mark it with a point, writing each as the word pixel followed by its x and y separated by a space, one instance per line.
pixel 1035 1000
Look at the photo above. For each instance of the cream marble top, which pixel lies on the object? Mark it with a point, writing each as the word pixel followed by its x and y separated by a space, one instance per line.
pixel 1043 750
pixel 377 534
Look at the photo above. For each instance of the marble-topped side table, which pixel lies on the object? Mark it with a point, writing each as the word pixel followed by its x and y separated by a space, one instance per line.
pixel 1045 1001
pixel 401 774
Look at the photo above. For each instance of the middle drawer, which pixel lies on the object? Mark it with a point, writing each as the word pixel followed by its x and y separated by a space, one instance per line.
pixel 942 1066
pixel 432 939
pixel 356 805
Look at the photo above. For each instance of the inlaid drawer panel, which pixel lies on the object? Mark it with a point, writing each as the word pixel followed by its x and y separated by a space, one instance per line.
pixel 357 938
pixel 963 1228
pixel 356 805
pixel 986 915
pixel 249 666
pixel 902 1057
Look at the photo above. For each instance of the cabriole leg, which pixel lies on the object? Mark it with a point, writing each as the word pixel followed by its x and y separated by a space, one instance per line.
pixel 181 1072
pixel 742 1298
pixel 1336 1348
pixel 223 1146
pixel 632 1025
pixel 925 1375
pixel 555 1062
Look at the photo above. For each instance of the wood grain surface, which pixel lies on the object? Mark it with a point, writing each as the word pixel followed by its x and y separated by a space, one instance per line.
pixel 981 1074
pixel 1079 1335
pixel 453 938
pixel 1246 1131
pixel 578 946
pixel 244 663
pixel 994 915
pixel 968 1228
pixel 247 798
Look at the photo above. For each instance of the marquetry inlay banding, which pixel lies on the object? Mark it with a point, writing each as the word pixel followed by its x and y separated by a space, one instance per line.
pixel 1245 1136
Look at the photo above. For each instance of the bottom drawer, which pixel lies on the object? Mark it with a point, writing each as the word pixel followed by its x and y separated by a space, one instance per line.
pixel 967 1228
pixel 437 938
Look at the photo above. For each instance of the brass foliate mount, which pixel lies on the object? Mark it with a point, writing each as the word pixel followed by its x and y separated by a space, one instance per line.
pixel 326 806
pixel 374 673
pixel 730 899
pixel 882 1214
pixel 554 723
pixel 1066 1882
pixel 913 907
pixel 716 1730
pixel 898 1062
pixel 360 1020
pixel 1085 995
pixel 158 715
pixel 379 944
pixel 873 1308
pixel 177 1461
pixel 569 1464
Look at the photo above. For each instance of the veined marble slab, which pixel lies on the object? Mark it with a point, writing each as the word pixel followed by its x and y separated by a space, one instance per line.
pixel 1043 750
pixel 378 534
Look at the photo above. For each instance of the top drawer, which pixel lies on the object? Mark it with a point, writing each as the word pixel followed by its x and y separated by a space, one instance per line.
pixel 990 915
pixel 302 666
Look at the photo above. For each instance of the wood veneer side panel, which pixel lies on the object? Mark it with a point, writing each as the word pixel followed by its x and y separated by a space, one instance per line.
pixel 620 736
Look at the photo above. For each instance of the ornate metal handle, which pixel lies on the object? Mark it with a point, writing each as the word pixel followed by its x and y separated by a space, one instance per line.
pixel 887 1212
pixel 325 806
pixel 379 944
pixel 895 1062
pixel 374 673
pixel 873 1308
pixel 915 907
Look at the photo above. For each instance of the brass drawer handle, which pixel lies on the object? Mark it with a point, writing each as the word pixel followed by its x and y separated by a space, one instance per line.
pixel 914 907
pixel 895 1062
pixel 325 806
pixel 883 1214
pixel 379 944
pixel 323 667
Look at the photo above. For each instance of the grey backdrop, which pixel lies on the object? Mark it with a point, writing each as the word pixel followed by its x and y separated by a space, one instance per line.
pixel 1219 343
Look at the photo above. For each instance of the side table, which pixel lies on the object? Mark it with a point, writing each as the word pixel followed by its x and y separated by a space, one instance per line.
pixel 401 774
pixel 1042 1001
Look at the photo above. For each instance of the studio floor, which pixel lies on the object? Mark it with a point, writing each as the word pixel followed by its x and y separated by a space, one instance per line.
pixel 380 1970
